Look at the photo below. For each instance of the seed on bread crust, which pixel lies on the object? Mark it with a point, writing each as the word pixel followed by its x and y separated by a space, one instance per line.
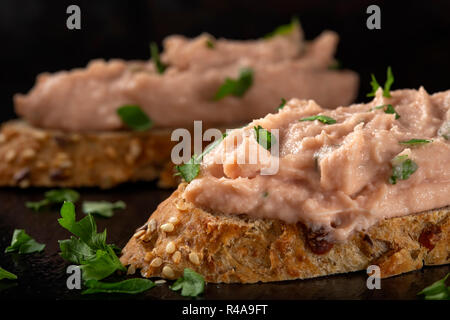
pixel 10 155
pixel 28 154
pixel 176 257
pixel 167 227
pixel 151 225
pixel 170 247
pixel 134 151
pixel 168 272
pixel 173 220
pixel 143 227
pixel 157 262
pixel 148 256
pixel 139 234
pixel 193 257
pixel 40 135
pixel 131 269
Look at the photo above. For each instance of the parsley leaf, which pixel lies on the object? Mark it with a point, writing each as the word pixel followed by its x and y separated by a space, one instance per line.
pixel 437 291
pixel 130 286
pixel 85 229
pixel 134 117
pixel 282 104
pixel 210 44
pixel 160 67
pixel 75 250
pixel 191 283
pixel 335 65
pixel 61 195
pixel 102 208
pixel 236 87
pixel 190 170
pixel 211 146
pixel 102 265
pixel 97 259
pixel 321 118
pixel 415 142
pixel 54 197
pixel 7 275
pixel 402 168
pixel 264 137
pixel 388 108
pixel 284 29
pixel 387 85
pixel 22 243
pixel 375 85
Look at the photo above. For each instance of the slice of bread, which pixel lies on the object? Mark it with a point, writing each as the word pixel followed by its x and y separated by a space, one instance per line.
pixel 237 248
pixel 32 156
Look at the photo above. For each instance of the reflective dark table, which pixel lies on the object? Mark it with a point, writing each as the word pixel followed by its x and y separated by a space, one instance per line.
pixel 43 275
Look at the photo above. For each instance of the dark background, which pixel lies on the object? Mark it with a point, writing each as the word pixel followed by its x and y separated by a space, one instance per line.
pixel 414 38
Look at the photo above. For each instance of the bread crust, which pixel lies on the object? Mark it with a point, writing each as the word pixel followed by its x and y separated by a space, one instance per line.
pixel 240 249
pixel 32 156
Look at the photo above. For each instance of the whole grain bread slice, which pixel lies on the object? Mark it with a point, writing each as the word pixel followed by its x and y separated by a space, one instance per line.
pixel 232 248
pixel 31 156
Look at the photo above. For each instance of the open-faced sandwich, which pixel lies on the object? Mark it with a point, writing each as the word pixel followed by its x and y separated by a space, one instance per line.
pixel 76 127
pixel 367 184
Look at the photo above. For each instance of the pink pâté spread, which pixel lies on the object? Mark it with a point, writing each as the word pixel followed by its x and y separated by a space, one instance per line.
pixel 283 66
pixel 386 158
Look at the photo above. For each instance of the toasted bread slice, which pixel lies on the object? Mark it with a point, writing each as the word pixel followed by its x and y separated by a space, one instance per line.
pixel 232 248
pixel 32 156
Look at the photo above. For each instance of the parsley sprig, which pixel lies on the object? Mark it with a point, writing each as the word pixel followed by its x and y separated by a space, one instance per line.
pixel 389 109
pixel 191 283
pixel 134 117
pixel 387 85
pixel 284 29
pixel 264 137
pixel 55 196
pixel 415 142
pixel 7 275
pixel 282 104
pixel 236 87
pixel 160 67
pixel 190 170
pixel 96 258
pixel 102 208
pixel 437 291
pixel 402 168
pixel 130 286
pixel 210 44
pixel 88 249
pixel 335 65
pixel 321 118
pixel 22 243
